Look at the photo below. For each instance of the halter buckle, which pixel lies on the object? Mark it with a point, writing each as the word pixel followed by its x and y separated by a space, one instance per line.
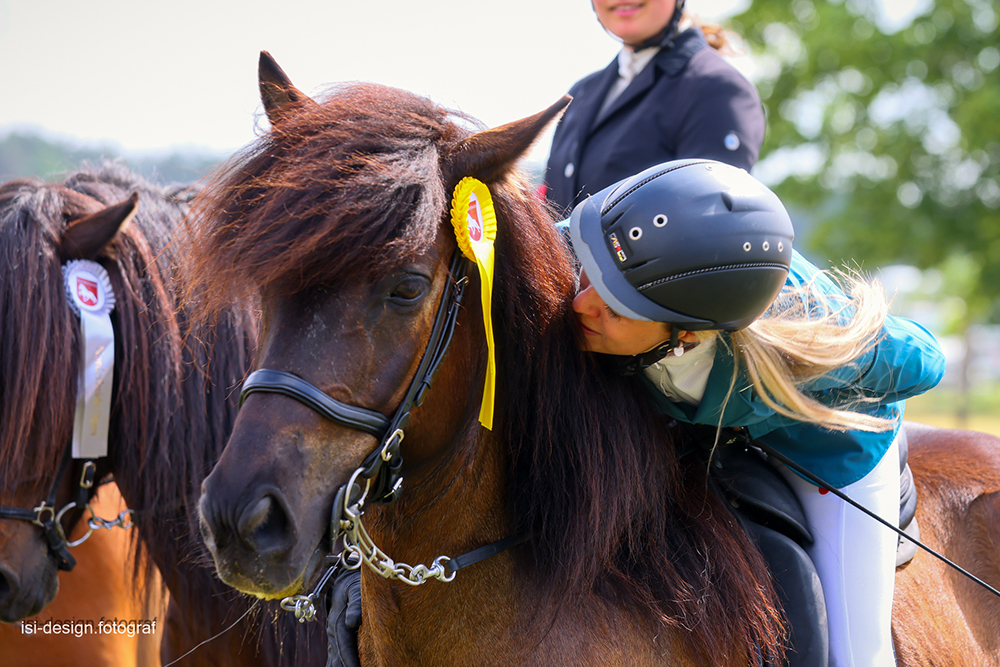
pixel 87 475
pixel 40 511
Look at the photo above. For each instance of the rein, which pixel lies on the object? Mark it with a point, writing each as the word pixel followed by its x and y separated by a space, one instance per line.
pixel 381 469
pixel 770 451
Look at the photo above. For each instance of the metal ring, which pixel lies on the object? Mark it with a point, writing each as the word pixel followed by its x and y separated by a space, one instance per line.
pixel 121 519
pixel 747 246
pixel 660 221
pixel 766 246
pixel 439 562
pixel 635 233
pixel 360 501
pixel 90 528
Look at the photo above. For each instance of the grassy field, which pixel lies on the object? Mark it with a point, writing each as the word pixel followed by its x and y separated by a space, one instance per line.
pixel 939 407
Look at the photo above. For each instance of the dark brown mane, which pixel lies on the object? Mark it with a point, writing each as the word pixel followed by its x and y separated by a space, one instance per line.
pixel 166 428
pixel 364 178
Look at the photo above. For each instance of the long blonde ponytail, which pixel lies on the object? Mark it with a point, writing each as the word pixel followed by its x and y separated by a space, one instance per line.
pixel 804 337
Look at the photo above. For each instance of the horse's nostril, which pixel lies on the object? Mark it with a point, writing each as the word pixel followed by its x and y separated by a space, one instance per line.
pixel 265 526
pixel 8 583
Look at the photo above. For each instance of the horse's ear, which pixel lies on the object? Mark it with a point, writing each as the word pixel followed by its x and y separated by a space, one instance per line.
pixel 86 236
pixel 276 89
pixel 490 154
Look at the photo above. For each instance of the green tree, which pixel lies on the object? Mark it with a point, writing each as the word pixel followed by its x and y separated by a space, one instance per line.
pixel 888 138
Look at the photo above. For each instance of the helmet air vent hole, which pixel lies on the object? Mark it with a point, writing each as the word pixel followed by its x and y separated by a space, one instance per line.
pixel 747 246
pixel 660 221
pixel 781 246
pixel 766 246
pixel 635 233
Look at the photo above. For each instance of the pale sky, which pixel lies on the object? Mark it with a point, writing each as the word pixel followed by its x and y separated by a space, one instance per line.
pixel 183 74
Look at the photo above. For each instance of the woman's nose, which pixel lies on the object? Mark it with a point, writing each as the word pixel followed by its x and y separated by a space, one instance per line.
pixel 586 301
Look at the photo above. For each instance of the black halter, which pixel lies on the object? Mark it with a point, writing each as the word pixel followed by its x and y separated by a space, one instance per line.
pixel 385 462
pixel 46 516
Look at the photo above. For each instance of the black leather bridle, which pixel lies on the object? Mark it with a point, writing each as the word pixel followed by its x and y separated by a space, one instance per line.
pixel 384 464
pixel 47 517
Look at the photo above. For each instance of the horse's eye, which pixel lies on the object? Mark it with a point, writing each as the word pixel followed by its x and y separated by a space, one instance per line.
pixel 407 291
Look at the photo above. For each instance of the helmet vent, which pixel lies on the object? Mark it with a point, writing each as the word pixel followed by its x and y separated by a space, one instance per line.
pixel 766 246
pixel 660 221
pixel 635 233
pixel 747 246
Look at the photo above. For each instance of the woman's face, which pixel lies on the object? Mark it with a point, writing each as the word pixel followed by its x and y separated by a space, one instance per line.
pixel 606 331
pixel 634 21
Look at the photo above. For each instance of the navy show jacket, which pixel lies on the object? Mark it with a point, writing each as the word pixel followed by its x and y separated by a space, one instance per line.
pixel 688 102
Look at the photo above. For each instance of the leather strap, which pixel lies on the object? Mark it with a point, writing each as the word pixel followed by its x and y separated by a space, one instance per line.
pixel 286 384
pixel 482 553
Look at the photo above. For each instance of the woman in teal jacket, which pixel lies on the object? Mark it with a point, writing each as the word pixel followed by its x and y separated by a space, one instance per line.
pixel 689 280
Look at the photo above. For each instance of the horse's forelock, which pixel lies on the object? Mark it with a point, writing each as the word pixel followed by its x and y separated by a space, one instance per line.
pixel 343 187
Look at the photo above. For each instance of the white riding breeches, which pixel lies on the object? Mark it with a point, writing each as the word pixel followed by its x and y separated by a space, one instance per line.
pixel 855 557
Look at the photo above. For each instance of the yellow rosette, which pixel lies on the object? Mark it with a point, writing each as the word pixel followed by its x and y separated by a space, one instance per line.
pixel 475 225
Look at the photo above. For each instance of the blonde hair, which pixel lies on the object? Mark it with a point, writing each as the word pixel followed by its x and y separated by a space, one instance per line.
pixel 804 336
pixel 723 40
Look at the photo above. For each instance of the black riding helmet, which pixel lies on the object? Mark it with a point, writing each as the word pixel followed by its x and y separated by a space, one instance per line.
pixel 698 244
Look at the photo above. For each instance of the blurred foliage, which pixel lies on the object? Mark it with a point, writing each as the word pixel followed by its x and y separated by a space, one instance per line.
pixel 25 155
pixel 889 138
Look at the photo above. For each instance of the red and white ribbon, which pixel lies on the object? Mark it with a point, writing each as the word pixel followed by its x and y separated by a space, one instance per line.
pixel 88 289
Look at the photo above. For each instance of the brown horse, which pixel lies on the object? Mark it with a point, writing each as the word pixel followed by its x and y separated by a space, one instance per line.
pixel 939 616
pixel 338 220
pixel 172 405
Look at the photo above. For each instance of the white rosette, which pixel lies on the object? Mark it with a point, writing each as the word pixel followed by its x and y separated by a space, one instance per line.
pixel 88 290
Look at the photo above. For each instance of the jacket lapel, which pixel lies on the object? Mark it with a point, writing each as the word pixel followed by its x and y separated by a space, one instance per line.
pixel 591 104
pixel 643 81
pixel 666 62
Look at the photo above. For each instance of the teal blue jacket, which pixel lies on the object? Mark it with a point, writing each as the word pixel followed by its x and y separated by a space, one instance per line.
pixel 905 362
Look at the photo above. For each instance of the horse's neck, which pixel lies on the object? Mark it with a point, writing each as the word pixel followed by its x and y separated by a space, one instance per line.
pixel 455 508
pixel 495 612
pixel 498 614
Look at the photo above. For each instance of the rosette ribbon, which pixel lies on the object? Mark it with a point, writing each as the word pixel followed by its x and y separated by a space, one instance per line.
pixel 475 224
pixel 88 289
